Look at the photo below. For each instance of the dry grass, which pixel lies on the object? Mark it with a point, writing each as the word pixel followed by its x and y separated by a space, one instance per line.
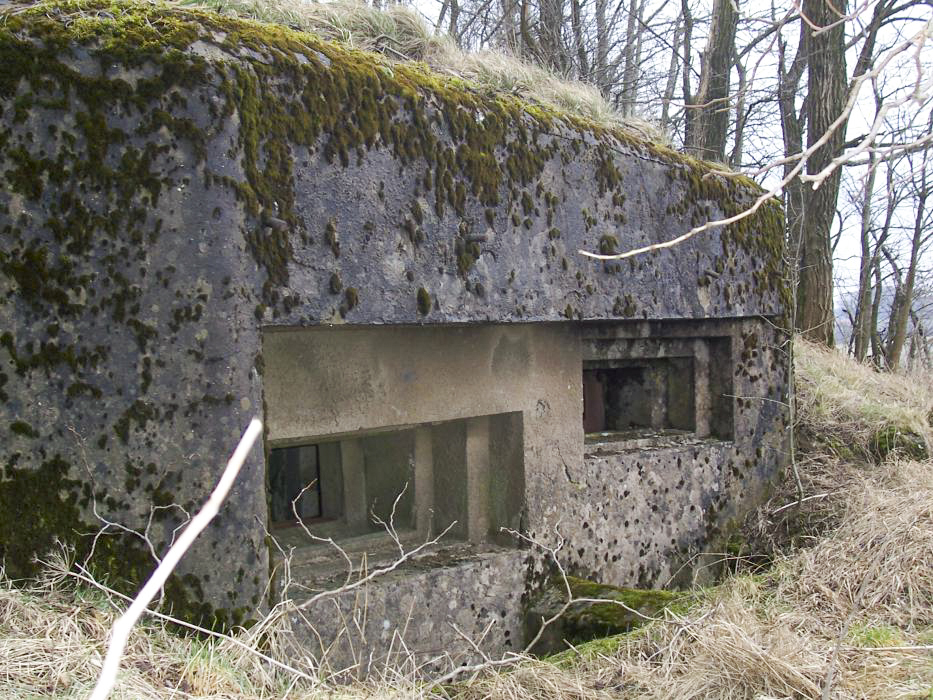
pixel 399 33
pixel 879 561
pixel 842 407
pixel 51 646
pixel 845 402
pixel 53 638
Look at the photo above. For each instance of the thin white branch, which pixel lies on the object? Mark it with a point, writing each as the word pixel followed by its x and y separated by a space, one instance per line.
pixel 124 624
pixel 802 500
pixel 921 91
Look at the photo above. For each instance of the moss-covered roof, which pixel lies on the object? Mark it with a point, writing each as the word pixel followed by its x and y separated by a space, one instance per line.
pixel 142 29
pixel 349 97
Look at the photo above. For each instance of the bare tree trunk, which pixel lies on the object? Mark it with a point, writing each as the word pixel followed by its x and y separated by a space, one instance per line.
pixel 579 44
pixel 509 36
pixel 601 59
pixel 529 45
pixel 687 89
pixel 919 348
pixel 914 352
pixel 639 42
pixel 672 72
pixel 877 349
pixel 710 121
pixel 550 35
pixel 861 331
pixel 826 97
pixel 738 141
pixel 875 290
pixel 792 125
pixel 629 69
pixel 899 320
pixel 897 304
pixel 454 21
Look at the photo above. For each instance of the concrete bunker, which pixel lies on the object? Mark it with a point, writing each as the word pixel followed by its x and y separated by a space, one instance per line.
pixel 206 219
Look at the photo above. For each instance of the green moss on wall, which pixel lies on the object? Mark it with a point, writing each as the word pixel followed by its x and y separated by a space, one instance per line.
pixel 424 301
pixel 39 504
pixel 603 619
pixel 43 506
pixel 601 610
pixel 288 91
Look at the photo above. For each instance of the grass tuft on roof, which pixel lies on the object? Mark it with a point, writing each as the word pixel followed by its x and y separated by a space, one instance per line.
pixel 399 33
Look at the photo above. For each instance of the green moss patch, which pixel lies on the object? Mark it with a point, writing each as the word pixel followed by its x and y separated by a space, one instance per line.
pixel 891 439
pixel 608 610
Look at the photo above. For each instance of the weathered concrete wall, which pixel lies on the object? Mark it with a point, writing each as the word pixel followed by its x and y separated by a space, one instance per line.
pixel 642 510
pixel 421 613
pixel 172 182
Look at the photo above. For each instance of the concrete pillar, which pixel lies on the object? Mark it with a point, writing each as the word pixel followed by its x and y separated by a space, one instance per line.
pixel 702 401
pixel 332 505
pixel 355 507
pixel 477 470
pixel 424 480
pixel 655 394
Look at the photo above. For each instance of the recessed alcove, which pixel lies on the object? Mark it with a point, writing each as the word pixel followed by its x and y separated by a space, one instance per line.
pixel 636 388
pixel 464 476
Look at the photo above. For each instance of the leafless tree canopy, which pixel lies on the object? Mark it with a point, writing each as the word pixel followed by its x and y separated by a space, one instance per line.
pixel 825 103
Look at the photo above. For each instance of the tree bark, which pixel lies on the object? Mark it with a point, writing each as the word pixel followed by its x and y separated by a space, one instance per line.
pixel 508 33
pixel 826 98
pixel 629 67
pixel 792 125
pixel 738 140
pixel 861 330
pixel 550 35
pixel 686 88
pixel 710 107
pixel 898 327
pixel 672 72
pixel 877 349
pixel 454 28
pixel 579 44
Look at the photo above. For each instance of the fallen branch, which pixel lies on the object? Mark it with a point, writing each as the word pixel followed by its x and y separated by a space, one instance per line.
pixel 802 500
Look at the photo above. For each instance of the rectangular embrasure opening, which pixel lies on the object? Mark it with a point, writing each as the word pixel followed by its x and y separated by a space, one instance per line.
pixel 294 484
pixel 658 387
pixel 639 396
pixel 464 476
